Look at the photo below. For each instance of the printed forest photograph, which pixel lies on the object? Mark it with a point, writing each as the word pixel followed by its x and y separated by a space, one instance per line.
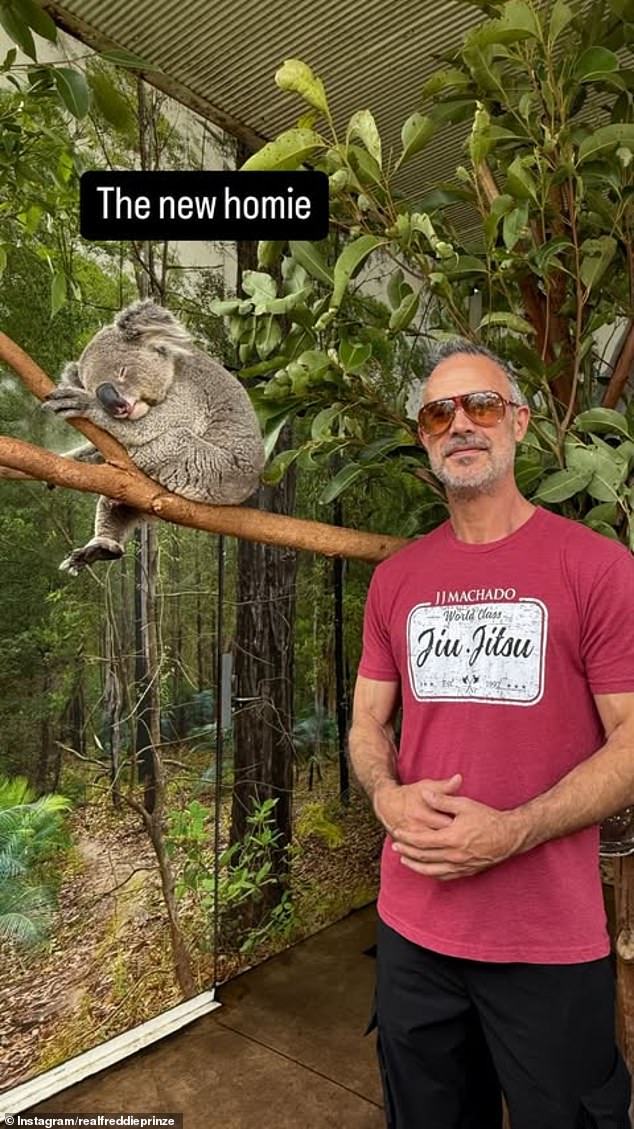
pixel 317 574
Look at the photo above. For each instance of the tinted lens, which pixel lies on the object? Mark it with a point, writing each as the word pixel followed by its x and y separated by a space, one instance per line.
pixel 436 416
pixel 483 408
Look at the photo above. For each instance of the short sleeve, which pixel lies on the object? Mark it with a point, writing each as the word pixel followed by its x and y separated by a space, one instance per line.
pixel 607 640
pixel 377 659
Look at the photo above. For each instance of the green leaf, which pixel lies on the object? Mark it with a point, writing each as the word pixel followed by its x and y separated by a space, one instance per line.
pixel 346 476
pixel 286 152
pixel 349 261
pixel 73 90
pixel 561 485
pixel 363 126
pixel 607 512
pixel 269 251
pixel 603 528
pixel 38 20
pixel 354 355
pixel 561 15
pixel 298 78
pixel 597 256
pixel 395 284
pixel 605 138
pixel 415 134
pixel 268 337
pixel 58 292
pixel 595 62
pixel 602 420
pixel 278 467
pixel 17 29
pixel 323 421
pixel 222 307
pixel 111 103
pixel 514 225
pixel 273 427
pixel 260 287
pixel 518 22
pixel 448 79
pixel 624 9
pixel 508 320
pixel 128 59
pixel 406 311
pixel 310 258
pixel 520 182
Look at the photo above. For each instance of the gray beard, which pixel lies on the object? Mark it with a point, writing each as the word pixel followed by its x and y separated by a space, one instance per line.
pixel 482 482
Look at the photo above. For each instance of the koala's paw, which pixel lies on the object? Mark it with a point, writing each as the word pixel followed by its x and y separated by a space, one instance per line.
pixel 65 401
pixel 99 549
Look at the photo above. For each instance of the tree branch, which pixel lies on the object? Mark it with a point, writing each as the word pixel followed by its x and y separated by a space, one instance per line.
pixel 621 371
pixel 133 488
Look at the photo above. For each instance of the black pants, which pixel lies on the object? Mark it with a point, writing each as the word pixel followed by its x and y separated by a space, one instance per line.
pixel 453 1034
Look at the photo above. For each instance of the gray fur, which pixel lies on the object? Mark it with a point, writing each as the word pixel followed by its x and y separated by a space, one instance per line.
pixel 199 436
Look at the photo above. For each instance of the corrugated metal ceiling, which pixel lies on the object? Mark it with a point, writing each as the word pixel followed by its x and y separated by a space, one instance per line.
pixel 220 59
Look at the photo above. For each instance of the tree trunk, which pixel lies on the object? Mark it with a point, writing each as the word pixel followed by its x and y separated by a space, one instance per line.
pixel 263 760
pixel 340 666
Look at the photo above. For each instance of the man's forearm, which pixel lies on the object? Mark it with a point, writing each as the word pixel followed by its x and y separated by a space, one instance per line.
pixel 598 787
pixel 373 755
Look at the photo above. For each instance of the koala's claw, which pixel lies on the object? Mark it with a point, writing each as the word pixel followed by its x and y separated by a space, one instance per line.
pixel 99 549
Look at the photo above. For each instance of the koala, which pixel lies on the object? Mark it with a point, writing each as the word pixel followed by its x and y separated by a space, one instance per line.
pixel 183 419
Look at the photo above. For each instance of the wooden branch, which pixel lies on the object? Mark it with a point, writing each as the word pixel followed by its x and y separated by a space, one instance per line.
pixel 124 482
pixel 143 494
pixel 621 371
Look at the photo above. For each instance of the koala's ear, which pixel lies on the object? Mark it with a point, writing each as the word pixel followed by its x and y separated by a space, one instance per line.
pixel 70 375
pixel 146 323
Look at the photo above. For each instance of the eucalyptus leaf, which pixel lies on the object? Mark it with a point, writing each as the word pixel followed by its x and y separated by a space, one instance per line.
pixel 17 29
pixel 349 261
pixel 278 467
pixel 597 256
pixel 58 292
pixel 606 137
pixel 602 420
pixel 310 258
pixel 354 355
pixel 449 79
pixel 562 14
pixel 39 20
pixel 405 312
pixel 508 321
pixel 595 62
pixel 296 76
pixel 73 90
pixel 346 476
pixel 415 134
pixel 561 485
pixel 287 152
pixel 363 126
pixel 111 103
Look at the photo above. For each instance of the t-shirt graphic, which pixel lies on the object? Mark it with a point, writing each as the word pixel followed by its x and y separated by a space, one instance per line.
pixel 491 651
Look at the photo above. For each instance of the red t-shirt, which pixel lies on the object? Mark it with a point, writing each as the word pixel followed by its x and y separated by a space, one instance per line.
pixel 499 648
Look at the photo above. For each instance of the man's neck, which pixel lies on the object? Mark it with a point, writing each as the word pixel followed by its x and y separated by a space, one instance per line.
pixel 485 517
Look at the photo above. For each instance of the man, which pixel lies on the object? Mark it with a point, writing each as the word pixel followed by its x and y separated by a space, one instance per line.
pixel 507 636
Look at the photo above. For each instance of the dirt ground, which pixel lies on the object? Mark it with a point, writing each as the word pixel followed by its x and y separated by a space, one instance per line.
pixel 107 964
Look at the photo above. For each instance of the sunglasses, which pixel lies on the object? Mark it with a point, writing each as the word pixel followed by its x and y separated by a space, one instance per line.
pixel 485 409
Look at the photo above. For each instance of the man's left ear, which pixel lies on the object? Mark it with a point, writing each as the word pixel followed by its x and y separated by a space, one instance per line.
pixel 522 420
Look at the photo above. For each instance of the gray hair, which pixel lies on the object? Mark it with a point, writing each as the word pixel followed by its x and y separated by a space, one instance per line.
pixel 461 346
